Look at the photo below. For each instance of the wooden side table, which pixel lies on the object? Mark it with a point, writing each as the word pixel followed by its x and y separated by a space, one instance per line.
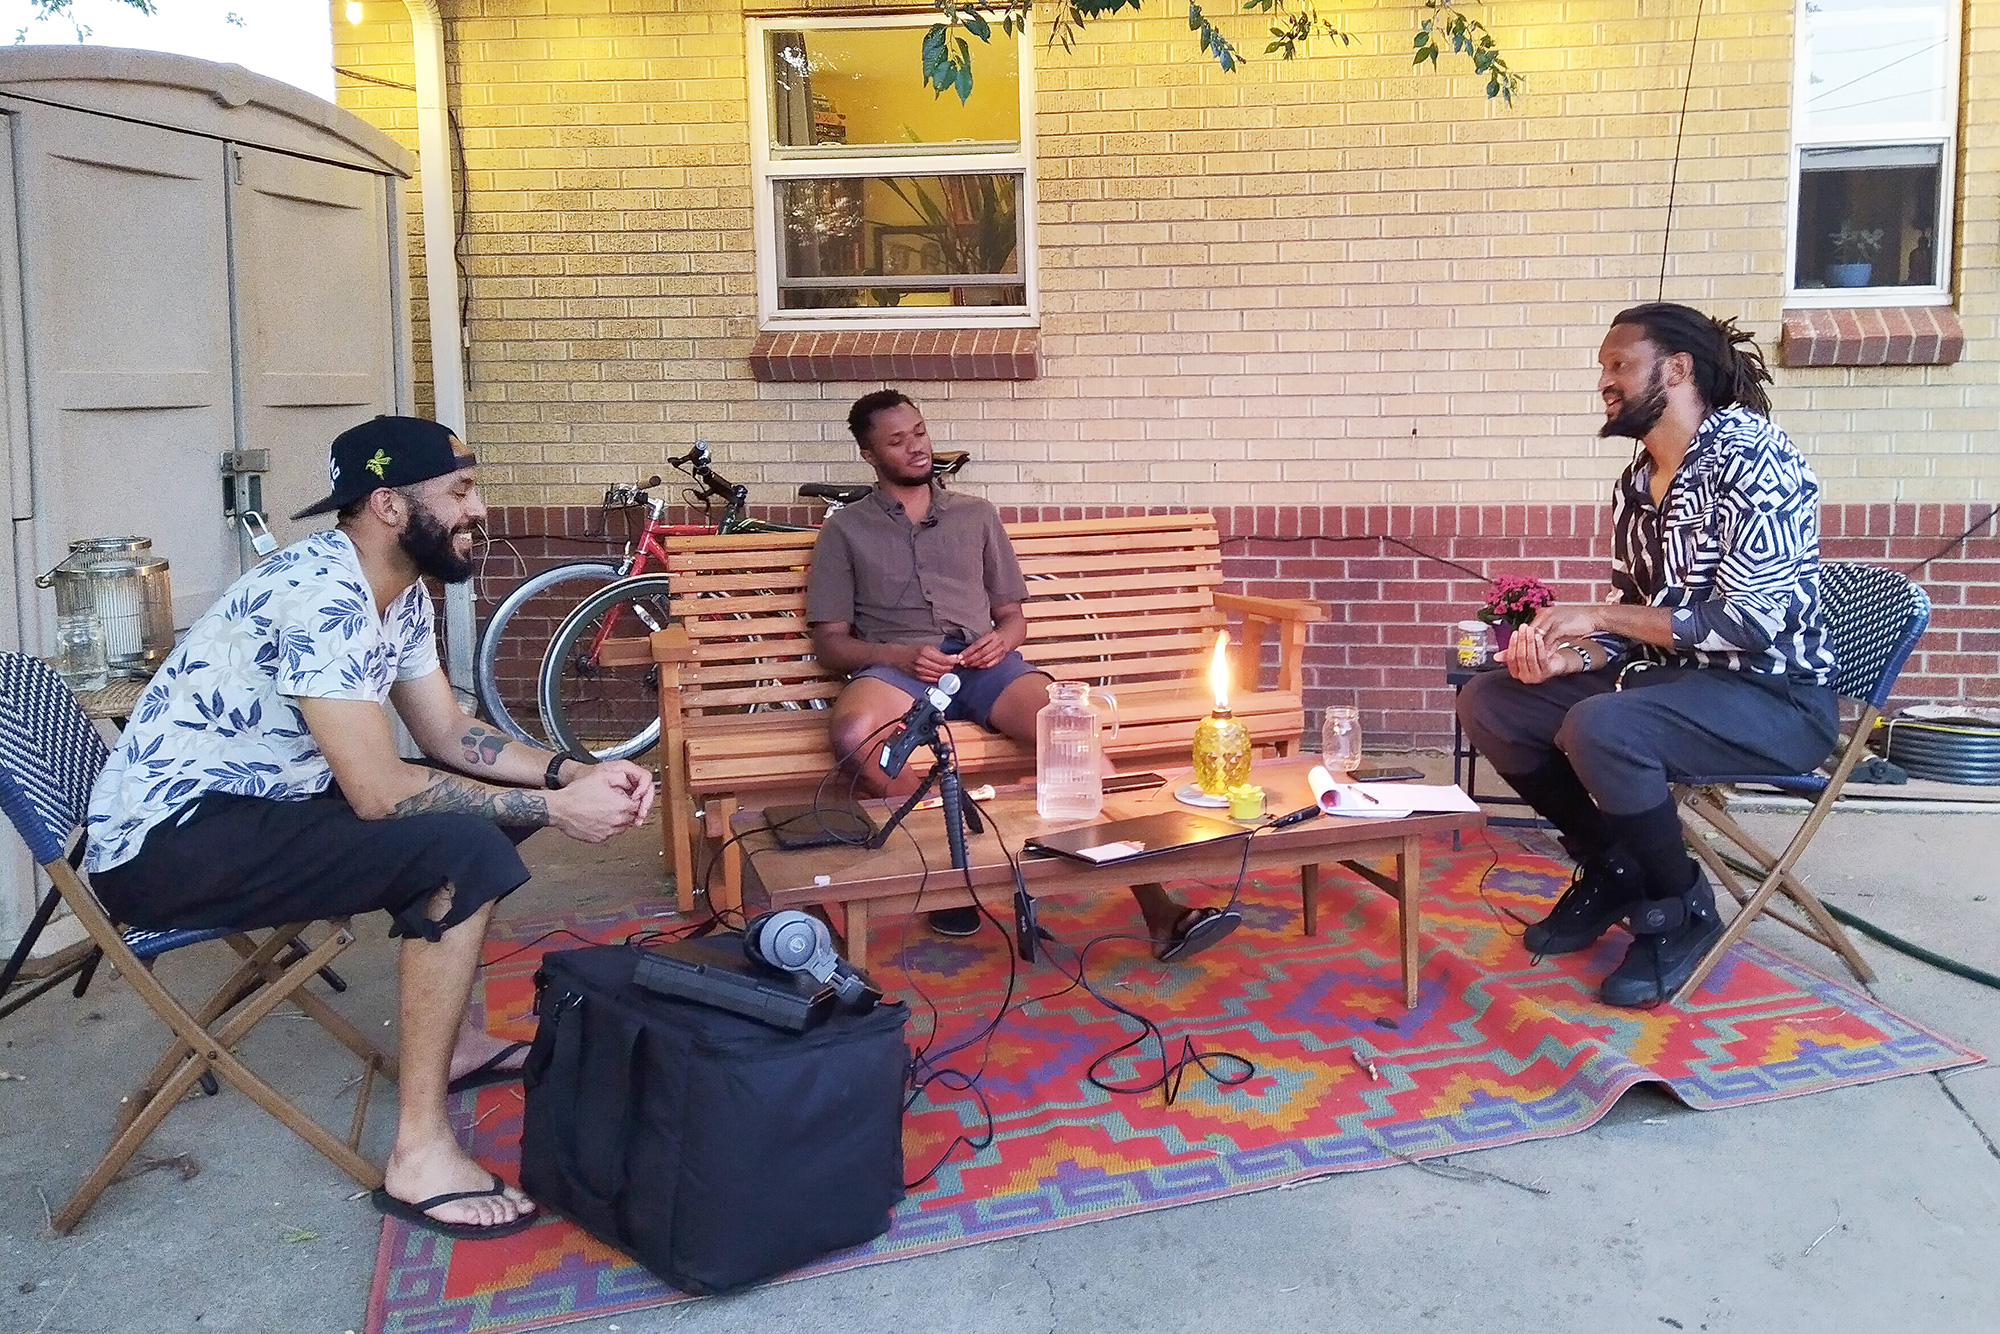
pixel 1465 759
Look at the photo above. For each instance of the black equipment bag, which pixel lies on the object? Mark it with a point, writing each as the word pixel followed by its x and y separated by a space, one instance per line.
pixel 715 1150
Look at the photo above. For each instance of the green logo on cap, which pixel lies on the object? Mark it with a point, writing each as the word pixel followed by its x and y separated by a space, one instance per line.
pixel 379 465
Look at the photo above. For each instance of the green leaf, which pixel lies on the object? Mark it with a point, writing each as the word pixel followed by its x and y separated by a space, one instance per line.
pixel 977 26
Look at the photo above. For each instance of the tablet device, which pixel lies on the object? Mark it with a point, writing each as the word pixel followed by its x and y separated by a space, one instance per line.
pixel 1129 840
pixel 817 826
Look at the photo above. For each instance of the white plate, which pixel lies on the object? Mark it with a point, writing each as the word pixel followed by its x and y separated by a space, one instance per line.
pixel 1190 794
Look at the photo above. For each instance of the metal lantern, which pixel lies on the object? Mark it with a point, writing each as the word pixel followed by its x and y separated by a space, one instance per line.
pixel 128 588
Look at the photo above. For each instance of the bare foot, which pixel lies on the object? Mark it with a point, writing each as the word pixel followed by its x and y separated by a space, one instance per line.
pixel 1163 915
pixel 417 1172
pixel 475 1047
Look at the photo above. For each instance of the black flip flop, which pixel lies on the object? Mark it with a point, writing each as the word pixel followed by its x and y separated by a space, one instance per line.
pixel 1197 929
pixel 489 1071
pixel 417 1214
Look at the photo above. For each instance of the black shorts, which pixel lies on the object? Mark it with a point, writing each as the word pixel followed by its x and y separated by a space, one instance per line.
pixel 253 862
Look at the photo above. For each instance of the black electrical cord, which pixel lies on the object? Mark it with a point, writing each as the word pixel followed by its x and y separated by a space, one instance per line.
pixel 1173 1069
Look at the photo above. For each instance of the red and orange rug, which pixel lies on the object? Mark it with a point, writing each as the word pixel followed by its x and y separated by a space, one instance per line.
pixel 1498 1050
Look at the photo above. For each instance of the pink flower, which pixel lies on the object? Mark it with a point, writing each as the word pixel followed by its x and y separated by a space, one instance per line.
pixel 1515 599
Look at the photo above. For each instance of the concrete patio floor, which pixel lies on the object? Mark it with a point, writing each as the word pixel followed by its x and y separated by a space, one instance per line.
pixel 1858 1210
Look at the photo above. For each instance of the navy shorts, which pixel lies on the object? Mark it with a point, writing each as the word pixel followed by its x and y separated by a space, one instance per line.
pixel 254 862
pixel 979 688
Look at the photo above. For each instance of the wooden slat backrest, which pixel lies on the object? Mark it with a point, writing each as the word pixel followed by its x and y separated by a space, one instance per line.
pixel 1109 601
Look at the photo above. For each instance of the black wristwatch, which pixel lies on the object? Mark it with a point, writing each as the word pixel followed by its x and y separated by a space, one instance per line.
pixel 552 776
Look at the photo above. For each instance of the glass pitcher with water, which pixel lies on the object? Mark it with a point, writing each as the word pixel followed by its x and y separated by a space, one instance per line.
pixel 1069 751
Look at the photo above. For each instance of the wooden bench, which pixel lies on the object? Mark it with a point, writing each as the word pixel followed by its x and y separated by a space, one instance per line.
pixel 1132 605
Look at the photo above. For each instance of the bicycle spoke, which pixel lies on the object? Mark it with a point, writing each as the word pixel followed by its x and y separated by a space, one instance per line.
pixel 612 710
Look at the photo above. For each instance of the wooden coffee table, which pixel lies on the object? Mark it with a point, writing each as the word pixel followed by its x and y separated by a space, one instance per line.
pixel 865 884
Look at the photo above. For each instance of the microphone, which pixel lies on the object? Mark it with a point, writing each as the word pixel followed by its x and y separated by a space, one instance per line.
pixel 919 723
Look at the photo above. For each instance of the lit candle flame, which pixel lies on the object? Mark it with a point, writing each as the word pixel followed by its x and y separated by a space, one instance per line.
pixel 1218 672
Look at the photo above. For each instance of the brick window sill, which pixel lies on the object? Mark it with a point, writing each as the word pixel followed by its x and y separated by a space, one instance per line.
pixel 897 354
pixel 1872 336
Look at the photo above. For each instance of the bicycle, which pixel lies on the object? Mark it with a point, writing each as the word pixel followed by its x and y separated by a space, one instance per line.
pixel 612 709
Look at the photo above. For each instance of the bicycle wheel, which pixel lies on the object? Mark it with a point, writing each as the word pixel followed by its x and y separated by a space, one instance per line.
pixel 611 711
pixel 507 673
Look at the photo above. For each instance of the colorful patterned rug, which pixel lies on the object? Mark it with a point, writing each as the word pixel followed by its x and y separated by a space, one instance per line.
pixel 1498 1050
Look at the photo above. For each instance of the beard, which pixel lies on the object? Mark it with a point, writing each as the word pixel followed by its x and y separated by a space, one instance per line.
pixel 428 544
pixel 1635 419
pixel 895 474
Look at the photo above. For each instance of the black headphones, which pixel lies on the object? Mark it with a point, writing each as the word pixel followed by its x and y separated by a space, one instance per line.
pixel 798 942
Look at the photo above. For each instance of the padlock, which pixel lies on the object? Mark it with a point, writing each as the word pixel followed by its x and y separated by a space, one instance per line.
pixel 259 533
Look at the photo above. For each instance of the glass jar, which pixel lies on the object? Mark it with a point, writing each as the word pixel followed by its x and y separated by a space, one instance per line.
pixel 80 657
pixel 1475 644
pixel 1340 741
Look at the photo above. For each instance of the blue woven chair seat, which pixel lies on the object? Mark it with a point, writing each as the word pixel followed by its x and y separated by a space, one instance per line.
pixel 1805 784
pixel 150 945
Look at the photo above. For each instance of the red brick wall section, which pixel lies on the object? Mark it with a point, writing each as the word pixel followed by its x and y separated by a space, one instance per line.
pixel 1879 336
pixel 875 356
pixel 1391 610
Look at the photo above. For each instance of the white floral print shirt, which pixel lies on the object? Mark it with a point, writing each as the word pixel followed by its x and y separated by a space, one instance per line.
pixel 220 716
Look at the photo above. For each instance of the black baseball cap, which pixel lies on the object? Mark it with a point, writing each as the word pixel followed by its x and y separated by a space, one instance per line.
pixel 388 451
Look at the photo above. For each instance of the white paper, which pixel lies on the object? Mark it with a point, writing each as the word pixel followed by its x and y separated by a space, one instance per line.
pixel 1111 852
pixel 1449 797
pixel 1383 801
pixel 1367 801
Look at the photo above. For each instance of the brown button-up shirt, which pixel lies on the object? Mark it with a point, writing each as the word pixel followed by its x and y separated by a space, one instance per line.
pixel 897 582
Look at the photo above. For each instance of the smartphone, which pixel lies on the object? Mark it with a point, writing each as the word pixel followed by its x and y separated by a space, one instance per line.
pixel 1131 782
pixel 1386 773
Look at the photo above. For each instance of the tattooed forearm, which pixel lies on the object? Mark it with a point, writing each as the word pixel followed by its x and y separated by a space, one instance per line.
pixel 444 794
pixel 482 745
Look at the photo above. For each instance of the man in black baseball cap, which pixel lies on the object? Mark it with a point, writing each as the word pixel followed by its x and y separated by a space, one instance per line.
pixel 400 454
pixel 259 783
pixel 388 451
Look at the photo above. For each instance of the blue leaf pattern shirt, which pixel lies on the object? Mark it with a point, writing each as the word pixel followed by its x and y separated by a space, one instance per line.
pixel 1733 549
pixel 220 716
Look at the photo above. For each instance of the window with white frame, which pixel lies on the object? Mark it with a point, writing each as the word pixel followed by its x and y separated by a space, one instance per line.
pixel 877 202
pixel 1875 106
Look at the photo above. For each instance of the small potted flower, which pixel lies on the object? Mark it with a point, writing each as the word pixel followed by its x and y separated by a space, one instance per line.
pixel 1512 602
pixel 1855 251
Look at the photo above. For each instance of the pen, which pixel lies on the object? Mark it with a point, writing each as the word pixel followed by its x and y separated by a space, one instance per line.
pixel 1367 796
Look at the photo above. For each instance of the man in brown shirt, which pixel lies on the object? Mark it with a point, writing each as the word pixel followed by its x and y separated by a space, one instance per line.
pixel 914 582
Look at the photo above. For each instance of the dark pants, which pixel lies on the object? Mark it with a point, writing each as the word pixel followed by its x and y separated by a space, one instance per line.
pixel 1667 725
pixel 253 862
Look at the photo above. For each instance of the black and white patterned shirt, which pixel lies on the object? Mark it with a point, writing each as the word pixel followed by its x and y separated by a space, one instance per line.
pixel 1733 549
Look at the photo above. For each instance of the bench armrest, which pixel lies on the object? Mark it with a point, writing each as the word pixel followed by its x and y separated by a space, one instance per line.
pixel 671 644
pixel 1290 616
pixel 1270 609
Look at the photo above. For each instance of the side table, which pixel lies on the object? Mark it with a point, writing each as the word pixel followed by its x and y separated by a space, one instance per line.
pixel 1465 758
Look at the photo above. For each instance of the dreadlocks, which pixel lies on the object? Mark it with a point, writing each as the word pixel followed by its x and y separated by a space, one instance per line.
pixel 1728 367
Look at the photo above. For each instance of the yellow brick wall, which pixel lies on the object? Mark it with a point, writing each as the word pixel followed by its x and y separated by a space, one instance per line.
pixel 1331 281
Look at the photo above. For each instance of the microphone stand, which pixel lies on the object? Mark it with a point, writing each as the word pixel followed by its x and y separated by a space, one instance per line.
pixel 958 813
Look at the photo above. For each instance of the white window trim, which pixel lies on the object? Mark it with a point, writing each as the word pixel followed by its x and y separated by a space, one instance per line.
pixel 766 168
pixel 1944 134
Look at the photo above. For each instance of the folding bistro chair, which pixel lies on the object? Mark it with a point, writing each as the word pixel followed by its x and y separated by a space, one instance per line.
pixel 50 754
pixel 1874 617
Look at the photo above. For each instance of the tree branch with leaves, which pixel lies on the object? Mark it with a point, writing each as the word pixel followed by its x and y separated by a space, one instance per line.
pixel 947 55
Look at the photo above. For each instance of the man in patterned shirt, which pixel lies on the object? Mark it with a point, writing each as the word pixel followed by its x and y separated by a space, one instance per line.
pixel 259 783
pixel 1710 657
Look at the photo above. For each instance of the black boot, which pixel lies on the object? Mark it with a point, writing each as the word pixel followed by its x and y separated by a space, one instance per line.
pixel 1604 889
pixel 1669 938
